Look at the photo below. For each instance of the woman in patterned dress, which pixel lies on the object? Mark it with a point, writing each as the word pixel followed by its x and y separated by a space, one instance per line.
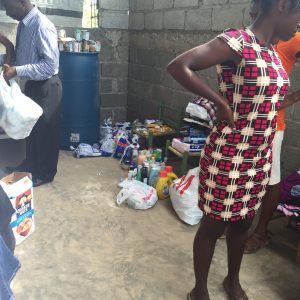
pixel 236 160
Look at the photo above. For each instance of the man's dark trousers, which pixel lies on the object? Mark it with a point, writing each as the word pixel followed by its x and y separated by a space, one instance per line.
pixel 42 146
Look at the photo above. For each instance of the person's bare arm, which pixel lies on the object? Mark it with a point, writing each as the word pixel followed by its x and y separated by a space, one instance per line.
pixel 9 49
pixel 292 98
pixel 184 67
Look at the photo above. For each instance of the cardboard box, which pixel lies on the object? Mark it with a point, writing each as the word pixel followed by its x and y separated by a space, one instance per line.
pixel 18 187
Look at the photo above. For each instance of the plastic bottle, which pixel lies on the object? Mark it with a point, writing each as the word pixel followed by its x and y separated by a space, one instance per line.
pixel 141 159
pixel 139 173
pixel 144 175
pixel 163 164
pixel 154 174
pixel 162 186
pixel 135 154
pixel 130 175
pixel 171 175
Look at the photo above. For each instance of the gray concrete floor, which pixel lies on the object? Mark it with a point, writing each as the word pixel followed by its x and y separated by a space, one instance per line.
pixel 85 247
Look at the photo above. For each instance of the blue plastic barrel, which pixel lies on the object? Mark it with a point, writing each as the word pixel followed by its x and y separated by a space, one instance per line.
pixel 79 73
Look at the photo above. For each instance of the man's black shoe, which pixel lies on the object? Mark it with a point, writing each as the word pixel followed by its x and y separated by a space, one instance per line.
pixel 37 181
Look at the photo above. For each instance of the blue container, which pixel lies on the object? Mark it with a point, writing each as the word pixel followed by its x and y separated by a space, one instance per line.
pixel 79 73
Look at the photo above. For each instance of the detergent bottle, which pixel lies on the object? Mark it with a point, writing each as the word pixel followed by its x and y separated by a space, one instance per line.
pixel 171 175
pixel 162 186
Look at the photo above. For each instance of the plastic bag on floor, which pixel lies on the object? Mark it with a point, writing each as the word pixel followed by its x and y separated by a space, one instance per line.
pixel 138 195
pixel 108 145
pixel 85 150
pixel 184 197
pixel 18 112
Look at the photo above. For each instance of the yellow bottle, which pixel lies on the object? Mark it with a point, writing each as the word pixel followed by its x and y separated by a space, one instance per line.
pixel 171 175
pixel 162 186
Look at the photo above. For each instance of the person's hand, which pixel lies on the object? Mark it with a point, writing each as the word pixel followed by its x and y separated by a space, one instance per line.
pixel 9 72
pixel 224 113
pixel 290 99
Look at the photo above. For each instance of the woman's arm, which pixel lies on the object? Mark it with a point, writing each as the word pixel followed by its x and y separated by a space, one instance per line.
pixel 184 67
pixel 290 99
pixel 9 49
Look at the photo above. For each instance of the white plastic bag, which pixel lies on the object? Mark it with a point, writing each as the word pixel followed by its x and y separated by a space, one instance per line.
pixel 85 150
pixel 19 113
pixel 184 197
pixel 138 195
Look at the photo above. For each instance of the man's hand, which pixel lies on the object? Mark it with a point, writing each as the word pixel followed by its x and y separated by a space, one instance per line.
pixel 9 72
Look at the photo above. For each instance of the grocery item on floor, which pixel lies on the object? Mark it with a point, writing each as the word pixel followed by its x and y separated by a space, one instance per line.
pixel 18 112
pixel 86 150
pixel 108 145
pixel 18 187
pixel 137 195
pixel 9 265
pixel 121 144
pixel 162 186
pixel 171 175
pixel 184 197
pixel 154 174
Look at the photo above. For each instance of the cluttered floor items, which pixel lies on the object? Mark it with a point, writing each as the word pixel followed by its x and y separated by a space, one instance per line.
pixel 149 176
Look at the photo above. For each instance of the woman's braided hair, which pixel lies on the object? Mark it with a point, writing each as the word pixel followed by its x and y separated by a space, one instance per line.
pixel 265 5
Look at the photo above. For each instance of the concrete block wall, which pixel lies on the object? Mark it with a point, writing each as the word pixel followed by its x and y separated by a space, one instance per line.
pixel 162 29
pixel 159 31
pixel 114 34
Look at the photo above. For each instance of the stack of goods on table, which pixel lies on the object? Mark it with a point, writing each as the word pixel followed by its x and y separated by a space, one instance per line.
pixel 192 139
pixel 199 119
pixel 156 127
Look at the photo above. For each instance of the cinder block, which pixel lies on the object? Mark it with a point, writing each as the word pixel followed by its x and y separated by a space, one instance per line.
pixel 174 19
pixel 214 2
pixel 120 85
pixel 107 54
pixel 114 4
pixel 113 100
pixel 116 113
pixel 162 58
pixel 146 57
pixel 137 21
pixel 163 4
pixel 142 89
pixel 132 5
pixel 185 3
pixel 152 75
pixel 222 17
pixel 114 69
pixel 117 20
pixel 132 55
pixel 199 19
pixel 144 4
pixel 122 53
pixel 105 85
pixel 154 21
pixel 161 93
pixel 135 72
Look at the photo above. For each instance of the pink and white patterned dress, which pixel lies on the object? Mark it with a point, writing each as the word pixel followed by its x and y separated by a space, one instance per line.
pixel 235 165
